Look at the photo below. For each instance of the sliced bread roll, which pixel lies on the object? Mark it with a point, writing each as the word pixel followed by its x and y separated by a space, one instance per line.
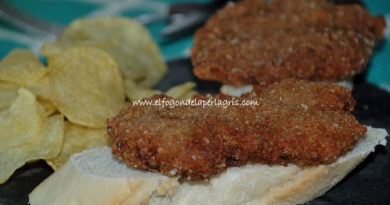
pixel 97 177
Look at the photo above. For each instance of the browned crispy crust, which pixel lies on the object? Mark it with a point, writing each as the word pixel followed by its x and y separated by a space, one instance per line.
pixel 295 122
pixel 252 42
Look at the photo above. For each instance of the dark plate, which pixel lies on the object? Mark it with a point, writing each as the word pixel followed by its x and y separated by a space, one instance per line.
pixel 367 184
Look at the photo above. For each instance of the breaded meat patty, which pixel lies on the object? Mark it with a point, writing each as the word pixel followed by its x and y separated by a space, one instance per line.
pixel 253 42
pixel 293 121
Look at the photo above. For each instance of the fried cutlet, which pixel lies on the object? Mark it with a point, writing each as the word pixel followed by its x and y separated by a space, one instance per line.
pixel 294 121
pixel 254 42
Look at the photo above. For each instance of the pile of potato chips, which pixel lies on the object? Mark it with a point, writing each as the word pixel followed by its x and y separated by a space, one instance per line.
pixel 94 68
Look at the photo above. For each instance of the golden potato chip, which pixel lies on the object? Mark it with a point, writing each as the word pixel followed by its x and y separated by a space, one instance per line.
pixel 86 86
pixel 46 145
pixel 41 88
pixel 51 49
pixel 22 122
pixel 8 93
pixel 76 139
pixel 183 91
pixel 136 92
pixel 188 95
pixel 21 66
pixel 51 138
pixel 26 134
pixel 49 107
pixel 126 40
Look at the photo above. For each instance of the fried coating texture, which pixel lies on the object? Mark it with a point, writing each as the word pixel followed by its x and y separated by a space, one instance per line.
pixel 298 122
pixel 252 42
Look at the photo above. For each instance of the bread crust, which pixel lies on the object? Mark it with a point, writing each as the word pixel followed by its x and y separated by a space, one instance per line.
pixel 77 183
pixel 74 184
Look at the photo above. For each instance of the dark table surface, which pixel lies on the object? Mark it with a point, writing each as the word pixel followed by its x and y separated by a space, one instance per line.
pixel 368 184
